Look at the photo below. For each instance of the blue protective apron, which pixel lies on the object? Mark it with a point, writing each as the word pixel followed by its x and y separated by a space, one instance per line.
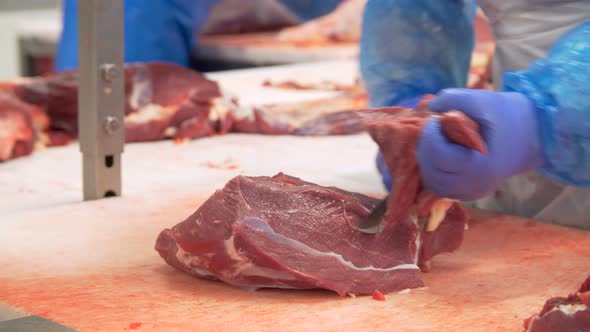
pixel 525 30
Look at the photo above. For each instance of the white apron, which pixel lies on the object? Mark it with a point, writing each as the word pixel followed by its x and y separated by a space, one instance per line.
pixel 525 30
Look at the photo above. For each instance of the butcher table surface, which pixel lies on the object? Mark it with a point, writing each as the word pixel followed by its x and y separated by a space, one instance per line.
pixel 91 266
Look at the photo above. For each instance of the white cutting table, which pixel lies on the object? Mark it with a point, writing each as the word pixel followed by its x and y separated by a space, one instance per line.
pixel 52 177
pixel 91 266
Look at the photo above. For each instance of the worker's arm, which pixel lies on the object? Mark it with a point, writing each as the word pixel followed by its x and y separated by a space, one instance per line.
pixel 410 48
pixel 163 30
pixel 542 122
pixel 559 87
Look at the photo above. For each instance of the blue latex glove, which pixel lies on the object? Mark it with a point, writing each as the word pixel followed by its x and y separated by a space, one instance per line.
pixel 411 48
pixel 509 126
pixel 163 30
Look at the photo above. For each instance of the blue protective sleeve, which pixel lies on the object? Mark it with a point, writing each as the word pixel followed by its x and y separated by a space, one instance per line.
pixel 560 88
pixel 163 30
pixel 411 48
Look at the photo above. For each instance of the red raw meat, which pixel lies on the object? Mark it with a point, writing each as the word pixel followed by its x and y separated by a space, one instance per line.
pixel 283 232
pixel 378 296
pixel 168 101
pixel 334 116
pixel 20 126
pixel 286 233
pixel 162 100
pixel 571 313
pixel 397 140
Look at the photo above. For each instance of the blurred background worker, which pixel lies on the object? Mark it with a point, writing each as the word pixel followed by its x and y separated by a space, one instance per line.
pixel 167 30
pixel 537 131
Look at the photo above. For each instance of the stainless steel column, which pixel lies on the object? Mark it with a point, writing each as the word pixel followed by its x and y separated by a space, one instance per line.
pixel 101 97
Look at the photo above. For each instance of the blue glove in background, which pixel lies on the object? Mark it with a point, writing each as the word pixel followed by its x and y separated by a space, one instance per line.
pixel 559 87
pixel 509 126
pixel 385 176
pixel 411 48
pixel 163 30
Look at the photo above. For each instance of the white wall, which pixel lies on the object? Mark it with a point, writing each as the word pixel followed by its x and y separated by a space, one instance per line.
pixel 13 21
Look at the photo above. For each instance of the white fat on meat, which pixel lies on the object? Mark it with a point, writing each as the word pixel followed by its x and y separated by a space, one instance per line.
pixel 149 112
pixel 219 109
pixel 141 93
pixel 313 252
pixel 569 309
pixel 405 291
pixel 193 263
pixel 438 213
pixel 414 219
pixel 243 266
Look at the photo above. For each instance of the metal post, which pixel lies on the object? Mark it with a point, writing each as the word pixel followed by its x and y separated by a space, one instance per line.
pixel 101 96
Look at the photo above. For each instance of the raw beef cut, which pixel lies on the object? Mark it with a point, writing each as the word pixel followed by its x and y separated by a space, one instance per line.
pixel 162 100
pixel 286 233
pixel 355 88
pixel 21 125
pixel 168 101
pixel 341 25
pixel 239 16
pixel 283 232
pixel 571 313
pixel 334 116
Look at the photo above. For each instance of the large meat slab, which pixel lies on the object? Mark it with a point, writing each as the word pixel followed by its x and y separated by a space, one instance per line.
pixel 162 101
pixel 283 232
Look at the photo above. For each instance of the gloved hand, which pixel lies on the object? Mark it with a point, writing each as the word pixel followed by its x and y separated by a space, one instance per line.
pixel 509 126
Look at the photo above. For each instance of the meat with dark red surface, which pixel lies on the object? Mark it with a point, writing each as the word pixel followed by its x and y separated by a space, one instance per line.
pixel 21 125
pixel 162 101
pixel 161 98
pixel 283 232
pixel 571 313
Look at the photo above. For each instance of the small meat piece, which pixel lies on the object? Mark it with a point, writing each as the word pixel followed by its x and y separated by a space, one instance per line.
pixel 16 134
pixel 356 88
pixel 334 116
pixel 378 296
pixel 20 127
pixel 571 313
pixel 457 127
